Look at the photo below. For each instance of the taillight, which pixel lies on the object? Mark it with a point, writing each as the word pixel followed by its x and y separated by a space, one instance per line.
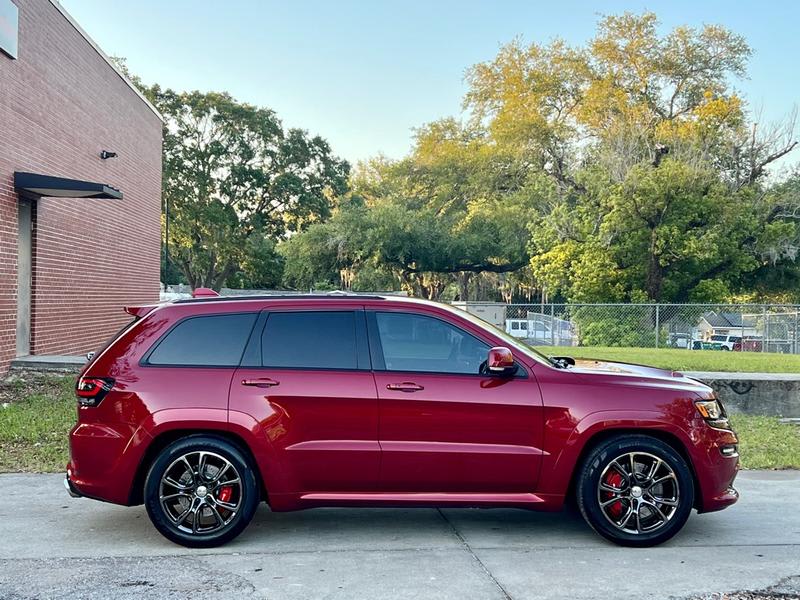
pixel 91 390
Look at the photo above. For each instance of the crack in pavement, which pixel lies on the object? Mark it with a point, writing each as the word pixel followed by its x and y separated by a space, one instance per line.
pixel 474 556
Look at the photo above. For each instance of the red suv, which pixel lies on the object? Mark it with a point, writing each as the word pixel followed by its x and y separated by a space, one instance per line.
pixel 202 408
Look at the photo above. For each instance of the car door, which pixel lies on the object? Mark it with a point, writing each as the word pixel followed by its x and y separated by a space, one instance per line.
pixel 306 379
pixel 444 426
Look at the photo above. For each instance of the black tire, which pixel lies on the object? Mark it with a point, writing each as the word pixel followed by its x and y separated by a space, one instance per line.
pixel 247 493
pixel 644 448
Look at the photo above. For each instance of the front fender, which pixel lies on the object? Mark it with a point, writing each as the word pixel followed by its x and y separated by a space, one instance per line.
pixel 569 444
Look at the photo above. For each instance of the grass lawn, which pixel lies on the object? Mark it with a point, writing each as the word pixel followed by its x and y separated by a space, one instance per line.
pixel 36 415
pixel 686 360
pixel 34 425
pixel 766 443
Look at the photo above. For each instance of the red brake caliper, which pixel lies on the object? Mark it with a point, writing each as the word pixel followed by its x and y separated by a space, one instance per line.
pixel 225 493
pixel 614 479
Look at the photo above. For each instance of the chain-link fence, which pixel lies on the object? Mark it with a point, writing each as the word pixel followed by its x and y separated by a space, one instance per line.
pixel 732 327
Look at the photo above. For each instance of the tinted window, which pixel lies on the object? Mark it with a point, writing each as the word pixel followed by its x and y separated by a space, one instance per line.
pixel 310 340
pixel 215 340
pixel 420 343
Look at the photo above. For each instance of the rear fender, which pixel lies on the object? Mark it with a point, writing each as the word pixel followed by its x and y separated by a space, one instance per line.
pixel 207 420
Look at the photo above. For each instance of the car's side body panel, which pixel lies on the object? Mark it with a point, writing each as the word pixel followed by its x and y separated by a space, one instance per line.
pixel 322 426
pixel 460 433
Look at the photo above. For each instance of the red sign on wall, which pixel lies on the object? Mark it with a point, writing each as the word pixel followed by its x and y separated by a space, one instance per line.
pixel 9 27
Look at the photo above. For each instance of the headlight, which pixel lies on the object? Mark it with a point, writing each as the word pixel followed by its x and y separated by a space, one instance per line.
pixel 713 413
pixel 709 409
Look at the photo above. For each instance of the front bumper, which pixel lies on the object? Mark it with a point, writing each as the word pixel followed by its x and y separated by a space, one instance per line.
pixel 723 500
pixel 716 470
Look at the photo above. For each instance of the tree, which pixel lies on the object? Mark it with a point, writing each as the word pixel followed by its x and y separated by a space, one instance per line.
pixel 236 182
pixel 623 169
pixel 658 174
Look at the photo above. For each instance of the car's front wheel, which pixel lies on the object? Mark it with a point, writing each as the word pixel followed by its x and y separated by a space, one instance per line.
pixel 635 490
pixel 201 491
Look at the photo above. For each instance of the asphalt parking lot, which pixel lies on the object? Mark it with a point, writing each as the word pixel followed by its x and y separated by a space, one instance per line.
pixel 54 546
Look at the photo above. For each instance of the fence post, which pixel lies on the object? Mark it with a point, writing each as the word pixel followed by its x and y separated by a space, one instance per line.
pixel 552 325
pixel 766 330
pixel 658 322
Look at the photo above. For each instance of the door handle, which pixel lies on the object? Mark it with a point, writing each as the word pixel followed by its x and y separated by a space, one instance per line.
pixel 262 382
pixel 406 386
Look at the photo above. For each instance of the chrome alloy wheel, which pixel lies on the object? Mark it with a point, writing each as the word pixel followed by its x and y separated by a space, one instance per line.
pixel 638 492
pixel 200 492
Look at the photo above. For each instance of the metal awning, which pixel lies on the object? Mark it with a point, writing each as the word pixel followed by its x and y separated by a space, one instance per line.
pixel 60 187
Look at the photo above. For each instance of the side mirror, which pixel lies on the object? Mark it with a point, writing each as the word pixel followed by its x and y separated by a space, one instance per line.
pixel 500 361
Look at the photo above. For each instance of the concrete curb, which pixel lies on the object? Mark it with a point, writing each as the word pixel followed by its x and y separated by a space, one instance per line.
pixel 770 394
pixel 51 362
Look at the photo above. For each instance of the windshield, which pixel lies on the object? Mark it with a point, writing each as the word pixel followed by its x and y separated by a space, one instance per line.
pixel 511 341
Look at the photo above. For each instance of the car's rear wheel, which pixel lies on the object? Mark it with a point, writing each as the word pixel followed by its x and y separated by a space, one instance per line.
pixel 635 490
pixel 201 491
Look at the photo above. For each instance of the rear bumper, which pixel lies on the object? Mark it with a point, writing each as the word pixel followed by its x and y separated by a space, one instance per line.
pixel 104 459
pixel 71 489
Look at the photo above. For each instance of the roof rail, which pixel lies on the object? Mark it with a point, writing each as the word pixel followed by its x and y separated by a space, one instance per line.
pixel 333 296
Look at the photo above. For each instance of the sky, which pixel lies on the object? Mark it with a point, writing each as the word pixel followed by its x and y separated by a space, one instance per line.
pixel 364 74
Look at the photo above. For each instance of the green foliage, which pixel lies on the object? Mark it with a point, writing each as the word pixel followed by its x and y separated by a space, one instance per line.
pixel 597 328
pixel 449 211
pixel 661 231
pixel 659 177
pixel 260 268
pixel 235 182
pixel 710 291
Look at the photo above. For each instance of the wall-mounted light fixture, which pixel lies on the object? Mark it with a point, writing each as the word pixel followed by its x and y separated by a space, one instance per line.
pixel 106 154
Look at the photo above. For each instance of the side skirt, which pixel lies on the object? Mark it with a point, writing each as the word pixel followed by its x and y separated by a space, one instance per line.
pixel 544 502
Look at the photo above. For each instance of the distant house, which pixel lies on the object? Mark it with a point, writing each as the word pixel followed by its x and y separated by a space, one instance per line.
pixel 726 323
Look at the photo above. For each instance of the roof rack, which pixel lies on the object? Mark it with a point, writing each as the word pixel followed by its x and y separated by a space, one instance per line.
pixel 331 296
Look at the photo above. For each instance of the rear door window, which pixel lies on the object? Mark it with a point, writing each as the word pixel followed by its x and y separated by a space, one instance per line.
pixel 310 340
pixel 205 341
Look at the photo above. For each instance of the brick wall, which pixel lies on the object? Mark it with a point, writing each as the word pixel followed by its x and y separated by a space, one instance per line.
pixel 60 105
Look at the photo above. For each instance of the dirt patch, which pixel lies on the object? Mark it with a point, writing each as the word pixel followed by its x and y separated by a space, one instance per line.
pixel 19 385
pixel 786 589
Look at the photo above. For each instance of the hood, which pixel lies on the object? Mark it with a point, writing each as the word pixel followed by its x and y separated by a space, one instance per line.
pixel 630 374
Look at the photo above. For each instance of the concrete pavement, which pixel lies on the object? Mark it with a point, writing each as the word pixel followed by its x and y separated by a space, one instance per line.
pixel 52 546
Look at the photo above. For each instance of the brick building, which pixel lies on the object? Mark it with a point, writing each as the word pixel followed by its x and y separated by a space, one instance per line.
pixel 79 233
